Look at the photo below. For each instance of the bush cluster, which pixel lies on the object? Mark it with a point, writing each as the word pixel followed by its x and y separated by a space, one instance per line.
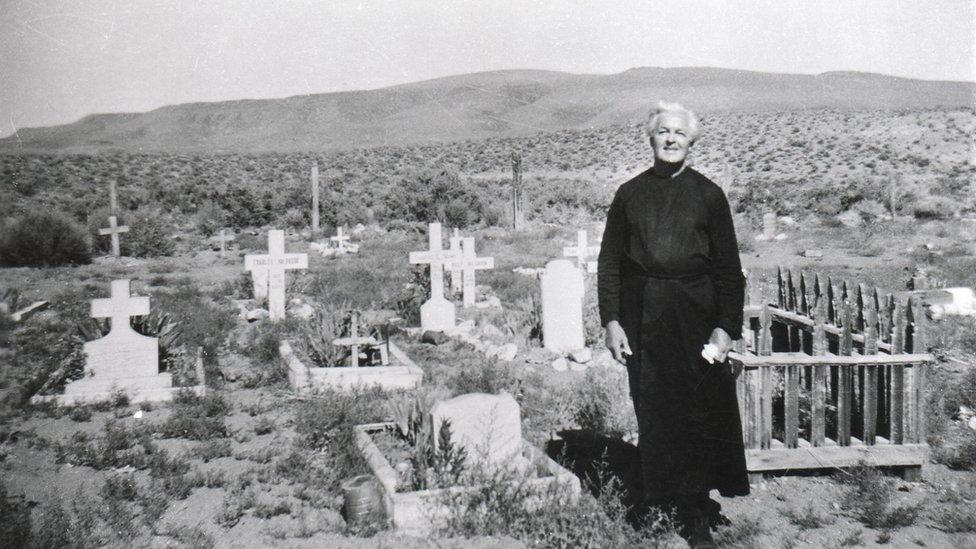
pixel 43 239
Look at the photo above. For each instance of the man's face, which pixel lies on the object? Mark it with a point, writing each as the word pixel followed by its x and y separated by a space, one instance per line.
pixel 671 140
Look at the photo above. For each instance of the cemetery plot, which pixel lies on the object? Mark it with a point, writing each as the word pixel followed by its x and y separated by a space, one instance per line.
pixel 269 272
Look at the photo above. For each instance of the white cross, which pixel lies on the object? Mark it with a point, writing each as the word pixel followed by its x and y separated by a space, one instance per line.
pixel 224 238
pixel 114 229
pixel 581 252
pixel 354 341
pixel 468 264
pixel 437 258
pixel 120 307
pixel 455 268
pixel 274 264
pixel 340 240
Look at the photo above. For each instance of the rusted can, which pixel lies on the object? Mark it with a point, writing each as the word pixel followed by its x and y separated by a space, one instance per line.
pixel 362 501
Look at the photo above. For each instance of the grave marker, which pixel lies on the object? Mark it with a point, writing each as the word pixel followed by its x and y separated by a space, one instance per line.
pixel 562 307
pixel 468 264
pixel 224 238
pixel 581 252
pixel 769 226
pixel 114 229
pixel 437 313
pixel 340 240
pixel 354 341
pixel 272 267
pixel 315 199
pixel 487 427
pixel 455 246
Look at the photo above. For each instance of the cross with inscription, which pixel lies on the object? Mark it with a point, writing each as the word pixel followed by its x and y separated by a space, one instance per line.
pixel 114 229
pixel 437 313
pixel 581 252
pixel 274 265
pixel 468 264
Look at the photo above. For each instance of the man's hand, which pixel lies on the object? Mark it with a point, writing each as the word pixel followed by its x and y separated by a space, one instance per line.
pixel 617 342
pixel 720 339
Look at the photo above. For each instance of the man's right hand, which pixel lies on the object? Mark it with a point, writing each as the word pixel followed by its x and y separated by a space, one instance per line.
pixel 617 342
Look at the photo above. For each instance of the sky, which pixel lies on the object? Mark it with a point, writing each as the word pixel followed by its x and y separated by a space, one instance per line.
pixel 62 60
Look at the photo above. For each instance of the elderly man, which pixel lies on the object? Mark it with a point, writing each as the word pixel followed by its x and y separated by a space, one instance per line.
pixel 671 296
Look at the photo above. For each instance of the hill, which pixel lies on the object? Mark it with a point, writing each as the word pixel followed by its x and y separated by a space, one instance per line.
pixel 476 106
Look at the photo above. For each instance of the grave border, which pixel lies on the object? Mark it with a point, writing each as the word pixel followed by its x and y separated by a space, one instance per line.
pixel 304 378
pixel 412 513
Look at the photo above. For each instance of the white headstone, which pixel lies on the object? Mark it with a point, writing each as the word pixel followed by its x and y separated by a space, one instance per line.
pixel 769 226
pixel 581 252
pixel 340 240
pixel 437 313
pixel 487 427
pixel 562 307
pixel 114 229
pixel 123 359
pixel 273 267
pixel 468 264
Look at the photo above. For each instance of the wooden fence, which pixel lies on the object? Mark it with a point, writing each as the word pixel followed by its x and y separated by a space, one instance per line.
pixel 833 374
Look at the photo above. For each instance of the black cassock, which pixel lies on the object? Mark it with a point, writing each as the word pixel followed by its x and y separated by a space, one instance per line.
pixel 669 272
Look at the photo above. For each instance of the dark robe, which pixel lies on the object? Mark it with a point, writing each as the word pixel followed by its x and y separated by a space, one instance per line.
pixel 669 272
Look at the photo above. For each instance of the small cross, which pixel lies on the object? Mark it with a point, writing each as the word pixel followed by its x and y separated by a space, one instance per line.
pixel 114 229
pixel 354 341
pixel 437 258
pixel 340 240
pixel 120 307
pixel 224 238
pixel 581 252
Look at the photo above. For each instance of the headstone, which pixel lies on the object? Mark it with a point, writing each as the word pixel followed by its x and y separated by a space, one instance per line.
pixel 455 246
pixel 273 266
pixel 315 199
pixel 487 427
pixel 518 201
pixel 355 341
pixel 581 252
pixel 468 264
pixel 223 238
pixel 562 307
pixel 437 313
pixel 123 359
pixel 769 226
pixel 340 241
pixel 114 229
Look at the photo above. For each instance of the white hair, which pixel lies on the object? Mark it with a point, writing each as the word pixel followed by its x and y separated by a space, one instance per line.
pixel 664 107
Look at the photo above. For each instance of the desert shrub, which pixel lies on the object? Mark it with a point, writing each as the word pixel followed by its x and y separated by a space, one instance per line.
pixel 120 486
pixel 601 402
pixel 954 334
pixel 317 334
pixel 43 238
pixel 868 496
pixel 956 449
pixel 744 532
pixel 196 417
pixel 413 295
pixel 148 236
pixel 807 517
pixel 209 218
pixel 211 449
pixel 483 375
pixel 934 207
pixel 116 447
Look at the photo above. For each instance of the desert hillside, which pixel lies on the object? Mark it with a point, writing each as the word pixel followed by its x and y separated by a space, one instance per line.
pixel 477 106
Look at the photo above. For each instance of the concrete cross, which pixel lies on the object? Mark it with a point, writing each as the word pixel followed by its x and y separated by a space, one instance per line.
pixel 120 307
pixel 224 238
pixel 274 265
pixel 354 341
pixel 114 229
pixel 340 240
pixel 581 252
pixel 437 313
pixel 468 264
pixel 455 269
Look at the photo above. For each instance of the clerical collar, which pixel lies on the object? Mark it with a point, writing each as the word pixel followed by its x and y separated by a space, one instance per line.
pixel 668 169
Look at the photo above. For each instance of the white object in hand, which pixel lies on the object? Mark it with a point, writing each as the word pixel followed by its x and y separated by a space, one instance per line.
pixel 710 353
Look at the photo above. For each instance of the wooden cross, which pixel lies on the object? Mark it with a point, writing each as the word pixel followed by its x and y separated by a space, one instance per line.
pixel 468 265
pixel 455 268
pixel 581 252
pixel 114 229
pixel 275 263
pixel 354 341
pixel 340 240
pixel 437 258
pixel 120 307
pixel 224 238
pixel 315 199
